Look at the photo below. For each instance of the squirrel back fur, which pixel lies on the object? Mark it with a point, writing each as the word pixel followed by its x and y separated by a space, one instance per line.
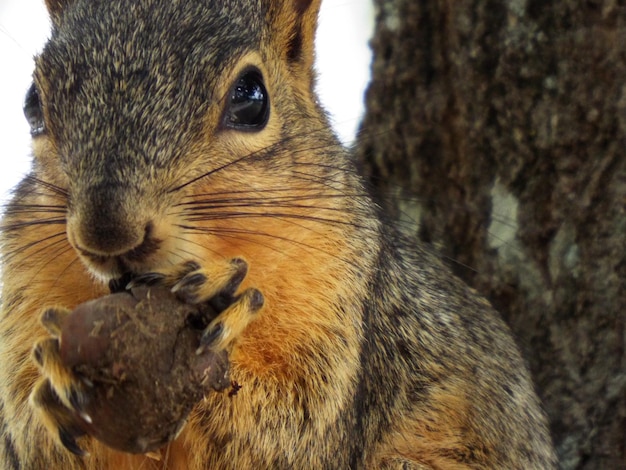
pixel 368 353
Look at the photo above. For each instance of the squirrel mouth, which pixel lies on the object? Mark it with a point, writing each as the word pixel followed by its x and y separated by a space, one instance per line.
pixel 137 260
pixel 105 267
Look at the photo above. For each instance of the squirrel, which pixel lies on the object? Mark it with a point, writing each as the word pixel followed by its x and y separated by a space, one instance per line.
pixel 178 139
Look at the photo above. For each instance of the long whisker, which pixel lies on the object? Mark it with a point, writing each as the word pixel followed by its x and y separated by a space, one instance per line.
pixel 262 197
pixel 28 246
pixel 52 257
pixel 52 188
pixel 34 208
pixel 280 203
pixel 250 156
pixel 235 197
pixel 255 215
pixel 240 234
pixel 67 268
pixel 191 255
pixel 29 223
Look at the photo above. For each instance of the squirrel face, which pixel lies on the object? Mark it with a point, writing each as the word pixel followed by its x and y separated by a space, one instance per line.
pixel 144 116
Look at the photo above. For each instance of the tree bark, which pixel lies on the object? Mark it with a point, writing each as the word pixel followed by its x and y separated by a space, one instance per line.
pixel 496 130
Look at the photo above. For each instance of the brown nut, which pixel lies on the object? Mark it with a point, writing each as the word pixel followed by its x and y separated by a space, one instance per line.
pixel 136 354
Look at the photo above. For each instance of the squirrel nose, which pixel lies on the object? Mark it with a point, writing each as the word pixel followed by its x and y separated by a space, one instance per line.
pixel 115 242
pixel 107 227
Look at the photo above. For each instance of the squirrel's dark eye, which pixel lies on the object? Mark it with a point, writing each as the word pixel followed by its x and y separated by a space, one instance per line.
pixel 248 106
pixel 34 112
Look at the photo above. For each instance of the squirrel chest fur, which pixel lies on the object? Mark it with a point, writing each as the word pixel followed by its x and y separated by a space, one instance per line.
pixel 181 141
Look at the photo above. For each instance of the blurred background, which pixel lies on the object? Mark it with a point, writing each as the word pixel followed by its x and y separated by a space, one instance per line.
pixel 343 63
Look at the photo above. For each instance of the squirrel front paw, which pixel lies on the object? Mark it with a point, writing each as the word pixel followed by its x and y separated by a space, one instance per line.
pixel 128 368
pixel 60 394
pixel 214 287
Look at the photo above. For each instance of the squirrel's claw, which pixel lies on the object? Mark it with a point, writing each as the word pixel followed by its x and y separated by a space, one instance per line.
pixel 231 322
pixel 195 284
pixel 52 319
pixel 146 279
pixel 69 442
pixel 69 388
pixel 62 395
pixel 60 420
pixel 215 286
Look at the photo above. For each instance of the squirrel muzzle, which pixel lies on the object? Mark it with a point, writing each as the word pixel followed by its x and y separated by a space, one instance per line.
pixel 112 232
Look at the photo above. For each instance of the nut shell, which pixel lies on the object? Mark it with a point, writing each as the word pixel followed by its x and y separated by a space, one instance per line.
pixel 136 354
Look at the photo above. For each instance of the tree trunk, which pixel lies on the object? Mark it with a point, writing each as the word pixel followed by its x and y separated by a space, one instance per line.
pixel 496 130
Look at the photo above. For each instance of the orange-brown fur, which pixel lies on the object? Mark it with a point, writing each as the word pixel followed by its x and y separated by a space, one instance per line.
pixel 334 276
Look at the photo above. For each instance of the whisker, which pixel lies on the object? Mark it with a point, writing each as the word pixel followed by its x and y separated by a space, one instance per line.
pixel 255 215
pixel 70 264
pixel 28 246
pixel 255 154
pixel 240 233
pixel 281 203
pixel 208 173
pixel 51 257
pixel 208 199
pixel 54 189
pixel 215 252
pixel 34 209
pixel 29 223
pixel 174 253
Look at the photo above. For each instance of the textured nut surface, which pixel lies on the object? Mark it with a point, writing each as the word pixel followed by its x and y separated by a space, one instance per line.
pixel 136 353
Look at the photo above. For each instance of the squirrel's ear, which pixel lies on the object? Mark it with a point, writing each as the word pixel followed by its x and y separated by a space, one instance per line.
pixel 293 24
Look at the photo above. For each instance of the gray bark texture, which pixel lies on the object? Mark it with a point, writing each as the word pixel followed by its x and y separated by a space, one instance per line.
pixel 496 130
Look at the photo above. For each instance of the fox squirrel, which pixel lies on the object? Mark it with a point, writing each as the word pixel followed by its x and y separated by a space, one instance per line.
pixel 168 132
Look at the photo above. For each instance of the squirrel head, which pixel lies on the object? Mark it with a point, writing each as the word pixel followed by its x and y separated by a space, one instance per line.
pixel 158 118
